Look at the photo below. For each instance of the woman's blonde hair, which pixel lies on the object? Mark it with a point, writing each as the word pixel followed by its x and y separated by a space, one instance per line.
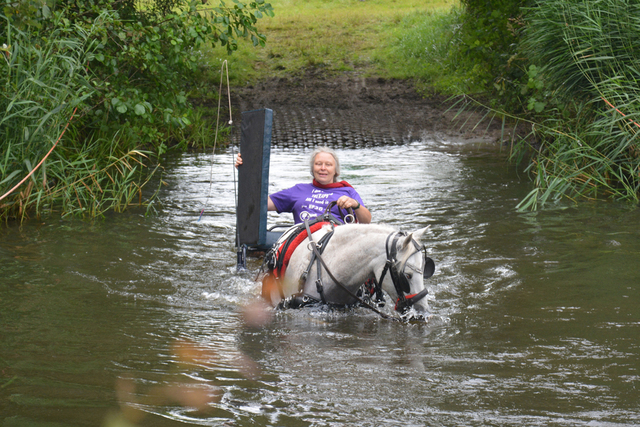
pixel 319 150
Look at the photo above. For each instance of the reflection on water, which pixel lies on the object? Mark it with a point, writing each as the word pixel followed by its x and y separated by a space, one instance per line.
pixel 145 321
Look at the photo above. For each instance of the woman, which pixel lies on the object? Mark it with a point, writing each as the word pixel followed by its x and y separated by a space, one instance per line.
pixel 308 200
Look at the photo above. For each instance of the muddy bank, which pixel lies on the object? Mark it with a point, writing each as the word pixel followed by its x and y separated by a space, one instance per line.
pixel 356 111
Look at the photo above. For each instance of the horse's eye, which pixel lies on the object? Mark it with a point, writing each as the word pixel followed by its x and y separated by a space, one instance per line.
pixel 408 275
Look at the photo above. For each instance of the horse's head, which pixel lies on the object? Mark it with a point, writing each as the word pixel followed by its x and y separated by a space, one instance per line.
pixel 409 267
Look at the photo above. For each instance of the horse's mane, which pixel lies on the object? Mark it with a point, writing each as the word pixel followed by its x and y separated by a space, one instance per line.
pixel 358 231
pixel 374 227
pixel 378 229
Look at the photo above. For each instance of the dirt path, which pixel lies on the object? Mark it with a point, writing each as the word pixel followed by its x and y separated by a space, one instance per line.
pixel 354 111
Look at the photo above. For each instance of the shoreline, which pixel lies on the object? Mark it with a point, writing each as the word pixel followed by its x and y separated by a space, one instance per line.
pixel 356 110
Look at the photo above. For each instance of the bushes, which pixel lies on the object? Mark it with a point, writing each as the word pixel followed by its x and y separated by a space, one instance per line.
pixel 145 63
pixel 127 70
pixel 44 81
pixel 489 41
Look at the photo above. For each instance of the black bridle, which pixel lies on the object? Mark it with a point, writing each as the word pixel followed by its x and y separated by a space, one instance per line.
pixel 398 275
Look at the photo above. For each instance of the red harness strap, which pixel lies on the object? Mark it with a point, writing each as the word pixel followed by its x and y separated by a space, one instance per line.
pixel 292 247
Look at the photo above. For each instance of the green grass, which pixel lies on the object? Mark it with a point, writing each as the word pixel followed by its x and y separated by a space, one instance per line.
pixel 425 49
pixel 334 36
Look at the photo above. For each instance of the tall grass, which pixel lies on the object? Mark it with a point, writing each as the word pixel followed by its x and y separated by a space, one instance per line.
pixel 590 52
pixel 44 78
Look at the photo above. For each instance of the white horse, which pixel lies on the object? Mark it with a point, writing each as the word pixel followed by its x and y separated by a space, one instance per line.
pixel 354 254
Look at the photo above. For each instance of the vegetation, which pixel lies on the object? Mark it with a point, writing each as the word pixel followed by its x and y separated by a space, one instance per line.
pixel 585 60
pixel 129 69
pixel 567 68
pixel 122 70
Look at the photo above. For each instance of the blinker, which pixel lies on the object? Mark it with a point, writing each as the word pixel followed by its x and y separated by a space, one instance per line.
pixel 429 267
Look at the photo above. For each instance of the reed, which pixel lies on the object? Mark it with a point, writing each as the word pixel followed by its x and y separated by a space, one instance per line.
pixel 43 80
pixel 591 56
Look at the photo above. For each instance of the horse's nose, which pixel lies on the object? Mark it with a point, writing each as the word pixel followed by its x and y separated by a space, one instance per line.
pixel 420 310
pixel 416 315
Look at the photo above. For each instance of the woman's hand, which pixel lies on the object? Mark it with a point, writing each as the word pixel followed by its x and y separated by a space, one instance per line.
pixel 362 214
pixel 346 202
pixel 238 160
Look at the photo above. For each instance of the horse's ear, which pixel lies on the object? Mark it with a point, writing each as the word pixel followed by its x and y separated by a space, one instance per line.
pixel 418 235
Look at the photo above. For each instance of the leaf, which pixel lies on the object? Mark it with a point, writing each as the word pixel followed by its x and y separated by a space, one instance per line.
pixel 122 108
pixel 11 175
pixel 139 109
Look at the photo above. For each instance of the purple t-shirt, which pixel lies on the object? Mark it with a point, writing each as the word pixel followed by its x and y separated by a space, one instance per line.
pixel 307 201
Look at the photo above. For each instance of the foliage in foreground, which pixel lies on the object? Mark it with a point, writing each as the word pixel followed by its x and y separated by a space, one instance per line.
pixel 124 71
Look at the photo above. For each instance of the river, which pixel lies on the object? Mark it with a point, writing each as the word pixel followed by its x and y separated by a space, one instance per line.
pixel 142 320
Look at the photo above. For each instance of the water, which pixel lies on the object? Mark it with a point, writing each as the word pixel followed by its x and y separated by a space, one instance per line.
pixel 140 321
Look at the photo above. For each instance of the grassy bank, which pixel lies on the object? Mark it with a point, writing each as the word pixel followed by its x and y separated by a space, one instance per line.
pixel 336 36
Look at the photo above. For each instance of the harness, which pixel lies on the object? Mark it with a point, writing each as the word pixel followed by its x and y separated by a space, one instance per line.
pixel 398 276
pixel 278 257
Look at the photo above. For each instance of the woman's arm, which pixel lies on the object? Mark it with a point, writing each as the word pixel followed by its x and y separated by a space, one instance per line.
pixel 363 214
